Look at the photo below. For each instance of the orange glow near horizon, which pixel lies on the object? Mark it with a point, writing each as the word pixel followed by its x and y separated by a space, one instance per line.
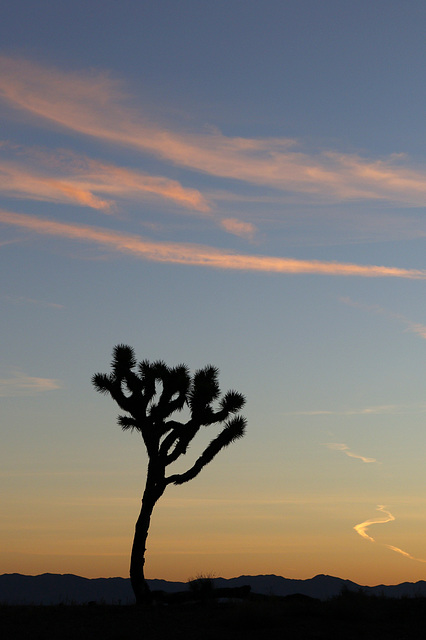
pixel 286 559
pixel 193 536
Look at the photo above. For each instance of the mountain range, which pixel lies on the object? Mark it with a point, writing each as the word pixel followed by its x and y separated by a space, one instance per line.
pixel 48 588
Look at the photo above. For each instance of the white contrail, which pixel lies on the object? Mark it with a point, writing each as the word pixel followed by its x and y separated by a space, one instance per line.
pixel 337 446
pixel 363 527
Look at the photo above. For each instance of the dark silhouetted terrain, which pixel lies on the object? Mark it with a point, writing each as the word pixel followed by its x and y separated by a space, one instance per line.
pixel 52 589
pixel 349 616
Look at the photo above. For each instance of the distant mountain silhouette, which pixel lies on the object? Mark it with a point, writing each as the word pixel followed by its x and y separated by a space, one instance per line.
pixel 50 588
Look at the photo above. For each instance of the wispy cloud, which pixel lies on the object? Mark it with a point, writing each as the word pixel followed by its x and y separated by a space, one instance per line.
pixel 68 178
pixel 94 104
pixel 336 446
pixel 410 326
pixel 198 255
pixel 239 228
pixel 19 384
pixel 4 243
pixel 32 301
pixel 387 409
pixel 20 183
pixel 363 527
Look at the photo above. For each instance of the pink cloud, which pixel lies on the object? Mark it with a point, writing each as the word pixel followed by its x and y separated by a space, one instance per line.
pixel 94 104
pixel 80 179
pixel 21 385
pixel 198 255
pixel 19 182
pixel 239 228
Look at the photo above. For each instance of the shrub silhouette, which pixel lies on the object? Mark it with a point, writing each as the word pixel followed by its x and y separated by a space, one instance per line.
pixel 202 586
pixel 150 394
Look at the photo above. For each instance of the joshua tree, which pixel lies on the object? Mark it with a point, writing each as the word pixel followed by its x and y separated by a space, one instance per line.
pixel 151 393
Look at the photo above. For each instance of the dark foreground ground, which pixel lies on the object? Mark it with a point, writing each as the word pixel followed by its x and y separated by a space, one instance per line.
pixel 350 616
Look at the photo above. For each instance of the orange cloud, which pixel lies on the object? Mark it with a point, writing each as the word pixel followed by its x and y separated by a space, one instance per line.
pixel 198 255
pixel 18 182
pixel 93 104
pixel 83 178
pixel 239 228
pixel 134 184
pixel 22 385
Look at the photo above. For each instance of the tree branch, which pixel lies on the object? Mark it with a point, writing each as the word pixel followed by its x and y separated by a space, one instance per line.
pixel 233 431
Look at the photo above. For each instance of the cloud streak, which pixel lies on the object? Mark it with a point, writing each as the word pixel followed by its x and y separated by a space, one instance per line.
pixel 197 255
pixel 94 104
pixel 410 326
pixel 239 228
pixel 22 385
pixel 32 301
pixel 386 409
pixel 82 180
pixel 363 527
pixel 336 446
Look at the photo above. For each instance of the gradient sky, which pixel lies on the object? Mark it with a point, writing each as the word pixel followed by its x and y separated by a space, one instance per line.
pixel 240 183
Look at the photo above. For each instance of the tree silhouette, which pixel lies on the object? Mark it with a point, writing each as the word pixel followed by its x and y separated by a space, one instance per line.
pixel 151 393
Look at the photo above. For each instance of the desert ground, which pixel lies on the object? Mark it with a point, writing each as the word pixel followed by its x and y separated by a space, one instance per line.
pixel 349 616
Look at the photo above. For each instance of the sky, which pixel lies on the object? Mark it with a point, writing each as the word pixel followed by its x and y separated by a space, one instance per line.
pixel 239 183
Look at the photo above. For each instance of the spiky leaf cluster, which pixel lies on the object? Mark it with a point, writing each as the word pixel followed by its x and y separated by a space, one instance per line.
pixel 151 392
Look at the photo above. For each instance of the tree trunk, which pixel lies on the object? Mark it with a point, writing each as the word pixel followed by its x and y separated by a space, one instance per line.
pixel 152 493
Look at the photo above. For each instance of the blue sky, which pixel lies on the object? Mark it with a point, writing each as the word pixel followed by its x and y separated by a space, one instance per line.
pixel 235 183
